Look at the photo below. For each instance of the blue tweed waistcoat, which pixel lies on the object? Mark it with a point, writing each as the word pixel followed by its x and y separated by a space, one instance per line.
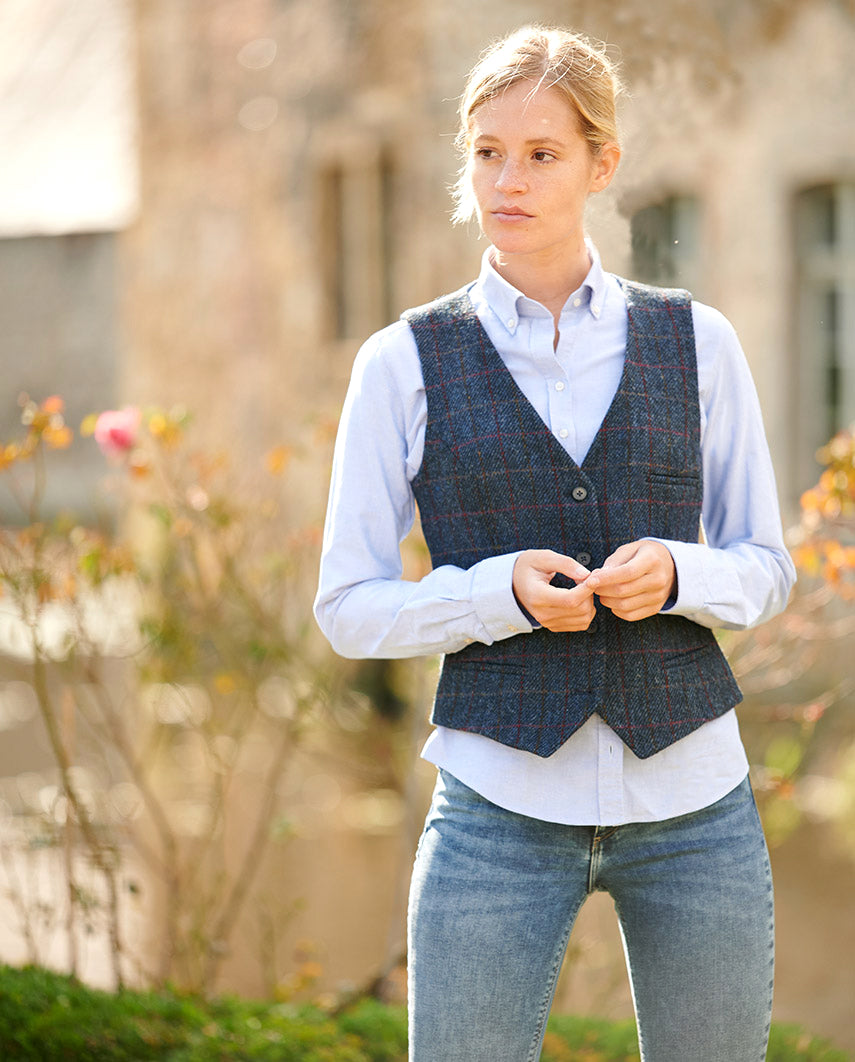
pixel 494 480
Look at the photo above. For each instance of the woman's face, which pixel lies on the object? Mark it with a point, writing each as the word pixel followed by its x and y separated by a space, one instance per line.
pixel 532 171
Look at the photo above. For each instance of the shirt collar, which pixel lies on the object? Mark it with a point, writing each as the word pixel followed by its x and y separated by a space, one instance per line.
pixel 508 303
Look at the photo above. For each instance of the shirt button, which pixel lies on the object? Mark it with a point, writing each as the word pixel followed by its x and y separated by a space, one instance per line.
pixel 577 303
pixel 511 323
pixel 559 386
pixel 512 628
pixel 580 493
pixel 563 433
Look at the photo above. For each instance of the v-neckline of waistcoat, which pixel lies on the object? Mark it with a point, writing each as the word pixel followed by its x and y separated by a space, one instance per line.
pixel 491 352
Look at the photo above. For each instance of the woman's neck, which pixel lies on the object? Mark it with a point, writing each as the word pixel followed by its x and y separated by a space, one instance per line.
pixel 549 280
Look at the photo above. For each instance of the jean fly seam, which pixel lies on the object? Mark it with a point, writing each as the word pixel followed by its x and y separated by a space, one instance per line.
pixel 593 861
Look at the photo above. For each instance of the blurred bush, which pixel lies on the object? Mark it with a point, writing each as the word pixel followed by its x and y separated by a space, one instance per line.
pixel 47 1018
pixel 796 671
pixel 173 664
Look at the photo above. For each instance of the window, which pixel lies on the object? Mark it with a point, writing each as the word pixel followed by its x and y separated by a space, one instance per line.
pixel 825 364
pixel 666 244
pixel 356 206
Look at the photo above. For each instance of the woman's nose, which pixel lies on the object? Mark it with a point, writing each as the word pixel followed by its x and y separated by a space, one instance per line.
pixel 511 177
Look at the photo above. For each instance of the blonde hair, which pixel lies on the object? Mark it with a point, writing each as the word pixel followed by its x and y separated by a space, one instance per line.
pixel 549 58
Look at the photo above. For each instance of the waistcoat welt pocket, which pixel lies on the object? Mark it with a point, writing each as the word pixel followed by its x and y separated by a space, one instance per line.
pixel 495 665
pixel 677 479
pixel 687 657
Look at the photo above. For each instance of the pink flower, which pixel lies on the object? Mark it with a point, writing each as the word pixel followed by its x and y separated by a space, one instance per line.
pixel 116 430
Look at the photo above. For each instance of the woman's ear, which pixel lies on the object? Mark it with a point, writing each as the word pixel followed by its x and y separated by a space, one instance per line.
pixel 605 165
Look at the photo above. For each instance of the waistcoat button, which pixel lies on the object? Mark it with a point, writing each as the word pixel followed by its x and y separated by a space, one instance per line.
pixel 580 493
pixel 583 558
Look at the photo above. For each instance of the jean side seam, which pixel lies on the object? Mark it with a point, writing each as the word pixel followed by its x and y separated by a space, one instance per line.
pixel 770 897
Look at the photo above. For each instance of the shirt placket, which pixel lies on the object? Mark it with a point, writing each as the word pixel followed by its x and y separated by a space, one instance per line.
pixel 610 790
pixel 558 384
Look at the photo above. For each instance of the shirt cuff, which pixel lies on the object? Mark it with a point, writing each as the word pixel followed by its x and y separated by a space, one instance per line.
pixel 691 577
pixel 493 598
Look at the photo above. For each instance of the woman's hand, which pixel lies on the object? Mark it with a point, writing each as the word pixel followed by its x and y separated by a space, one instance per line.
pixel 555 608
pixel 636 580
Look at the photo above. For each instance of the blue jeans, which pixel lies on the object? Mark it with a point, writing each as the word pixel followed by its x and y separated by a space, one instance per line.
pixel 494 896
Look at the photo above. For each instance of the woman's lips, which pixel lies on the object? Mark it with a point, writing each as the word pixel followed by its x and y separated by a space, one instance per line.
pixel 511 214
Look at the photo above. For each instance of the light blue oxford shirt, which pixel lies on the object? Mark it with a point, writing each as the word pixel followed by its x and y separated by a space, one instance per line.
pixel 740 575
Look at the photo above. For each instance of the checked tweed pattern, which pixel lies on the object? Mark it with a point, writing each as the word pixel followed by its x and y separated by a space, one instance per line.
pixel 494 480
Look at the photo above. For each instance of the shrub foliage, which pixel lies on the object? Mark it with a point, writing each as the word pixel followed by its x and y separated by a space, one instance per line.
pixel 49 1017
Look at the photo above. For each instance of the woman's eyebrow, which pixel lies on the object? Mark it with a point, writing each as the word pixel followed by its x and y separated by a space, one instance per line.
pixel 545 140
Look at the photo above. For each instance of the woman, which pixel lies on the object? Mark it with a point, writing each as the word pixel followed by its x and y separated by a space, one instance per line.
pixel 564 432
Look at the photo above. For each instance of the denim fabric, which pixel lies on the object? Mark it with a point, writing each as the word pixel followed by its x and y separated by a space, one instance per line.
pixel 494 897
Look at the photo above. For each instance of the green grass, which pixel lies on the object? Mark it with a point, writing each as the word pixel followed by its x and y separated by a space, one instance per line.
pixel 570 1039
pixel 48 1017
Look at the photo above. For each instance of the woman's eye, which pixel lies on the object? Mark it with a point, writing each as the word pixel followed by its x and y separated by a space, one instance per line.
pixel 543 156
pixel 485 153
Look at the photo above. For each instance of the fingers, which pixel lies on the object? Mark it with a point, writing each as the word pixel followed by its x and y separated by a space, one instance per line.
pixel 634 608
pixel 542 565
pixel 555 608
pixel 550 563
pixel 636 580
